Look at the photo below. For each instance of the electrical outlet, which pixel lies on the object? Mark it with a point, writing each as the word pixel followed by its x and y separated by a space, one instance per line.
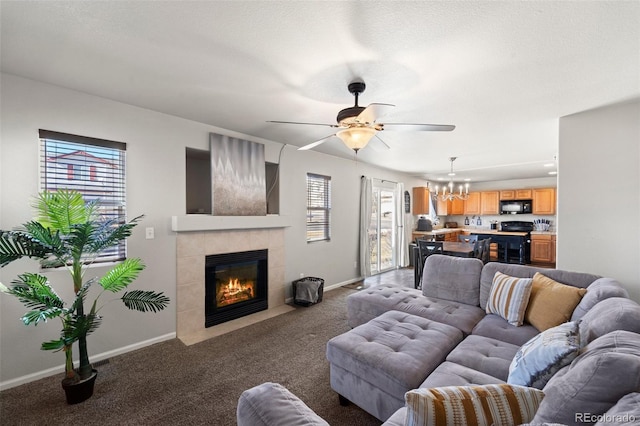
pixel 150 233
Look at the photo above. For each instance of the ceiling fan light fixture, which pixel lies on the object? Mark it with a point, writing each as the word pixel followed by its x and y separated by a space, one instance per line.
pixel 356 138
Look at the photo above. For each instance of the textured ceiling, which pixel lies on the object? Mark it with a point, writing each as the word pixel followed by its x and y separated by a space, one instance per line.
pixel 502 72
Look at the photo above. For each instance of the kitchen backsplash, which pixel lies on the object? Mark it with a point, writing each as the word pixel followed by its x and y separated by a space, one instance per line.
pixel 486 220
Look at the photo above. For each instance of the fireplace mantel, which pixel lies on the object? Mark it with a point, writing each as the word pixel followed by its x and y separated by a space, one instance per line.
pixel 203 222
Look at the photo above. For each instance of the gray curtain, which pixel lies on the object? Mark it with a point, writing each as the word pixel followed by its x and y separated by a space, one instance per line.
pixel 365 221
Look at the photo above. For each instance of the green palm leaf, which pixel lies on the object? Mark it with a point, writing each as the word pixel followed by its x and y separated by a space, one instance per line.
pixel 62 209
pixel 80 240
pixel 145 301
pixel 15 245
pixel 35 317
pixel 121 275
pixel 34 291
pixel 53 345
pixel 110 233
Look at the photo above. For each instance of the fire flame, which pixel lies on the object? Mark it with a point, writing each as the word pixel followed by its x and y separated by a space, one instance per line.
pixel 234 291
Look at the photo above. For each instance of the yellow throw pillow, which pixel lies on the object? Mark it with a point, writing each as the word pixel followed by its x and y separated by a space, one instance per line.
pixel 498 405
pixel 551 303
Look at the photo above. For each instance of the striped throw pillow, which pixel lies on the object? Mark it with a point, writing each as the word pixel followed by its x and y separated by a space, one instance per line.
pixel 509 297
pixel 498 405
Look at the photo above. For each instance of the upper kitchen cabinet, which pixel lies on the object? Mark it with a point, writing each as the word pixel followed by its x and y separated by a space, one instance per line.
pixel 454 207
pixel 420 200
pixel 472 204
pixel 544 201
pixel 489 202
pixel 516 194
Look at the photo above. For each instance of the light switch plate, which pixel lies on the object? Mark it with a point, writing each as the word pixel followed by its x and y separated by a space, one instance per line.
pixel 150 233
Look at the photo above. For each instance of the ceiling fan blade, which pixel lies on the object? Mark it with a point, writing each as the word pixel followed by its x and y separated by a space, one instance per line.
pixel 372 112
pixel 314 144
pixel 412 127
pixel 378 144
pixel 307 124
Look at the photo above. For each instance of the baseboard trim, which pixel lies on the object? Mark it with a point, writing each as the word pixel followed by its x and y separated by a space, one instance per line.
pixel 8 384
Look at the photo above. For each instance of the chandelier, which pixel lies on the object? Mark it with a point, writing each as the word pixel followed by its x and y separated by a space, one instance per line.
pixel 452 194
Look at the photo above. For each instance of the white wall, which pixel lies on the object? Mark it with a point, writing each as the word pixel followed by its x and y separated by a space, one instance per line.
pixel 156 146
pixel 599 193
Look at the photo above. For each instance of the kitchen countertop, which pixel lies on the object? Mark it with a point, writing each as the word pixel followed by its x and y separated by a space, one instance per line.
pixel 442 231
pixel 439 231
pixel 543 233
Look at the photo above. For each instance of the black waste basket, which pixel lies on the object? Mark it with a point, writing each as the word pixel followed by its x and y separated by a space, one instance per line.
pixel 307 291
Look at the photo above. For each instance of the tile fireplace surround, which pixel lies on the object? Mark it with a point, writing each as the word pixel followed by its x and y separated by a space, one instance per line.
pixel 191 248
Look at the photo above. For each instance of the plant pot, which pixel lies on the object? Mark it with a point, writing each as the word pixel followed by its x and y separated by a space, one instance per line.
pixel 80 391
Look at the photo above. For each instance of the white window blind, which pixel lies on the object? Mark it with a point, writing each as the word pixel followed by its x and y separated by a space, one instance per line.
pixel 93 167
pixel 318 207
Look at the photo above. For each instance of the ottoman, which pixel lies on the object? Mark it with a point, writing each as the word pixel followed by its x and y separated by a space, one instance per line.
pixel 376 363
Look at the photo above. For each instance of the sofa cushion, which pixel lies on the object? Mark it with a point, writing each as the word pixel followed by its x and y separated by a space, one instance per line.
pixel 484 354
pixel 451 374
pixel 272 404
pixel 611 314
pixel 544 355
pixel 625 412
pixel 498 404
pixel 599 290
pixel 498 328
pixel 452 278
pixel 551 303
pixel 576 279
pixel 509 297
pixel 370 303
pixel 607 370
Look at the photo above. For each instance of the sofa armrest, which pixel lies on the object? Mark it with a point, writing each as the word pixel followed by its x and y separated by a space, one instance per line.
pixel 272 404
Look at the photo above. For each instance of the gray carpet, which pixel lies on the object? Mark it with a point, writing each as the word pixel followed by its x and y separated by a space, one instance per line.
pixel 170 383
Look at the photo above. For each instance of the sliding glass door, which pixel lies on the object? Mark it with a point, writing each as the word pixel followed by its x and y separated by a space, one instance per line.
pixel 382 231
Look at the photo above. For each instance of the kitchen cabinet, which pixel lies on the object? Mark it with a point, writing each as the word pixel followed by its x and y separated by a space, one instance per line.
pixel 457 206
pixel 442 207
pixel 516 194
pixel 508 194
pixel 472 204
pixel 524 194
pixel 420 200
pixel 543 248
pixel 544 201
pixel 454 207
pixel 490 202
pixel 451 236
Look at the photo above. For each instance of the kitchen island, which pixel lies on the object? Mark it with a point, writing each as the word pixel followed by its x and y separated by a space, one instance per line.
pixel 509 242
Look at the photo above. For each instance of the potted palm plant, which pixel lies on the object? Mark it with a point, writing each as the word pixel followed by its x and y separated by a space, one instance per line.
pixel 70 233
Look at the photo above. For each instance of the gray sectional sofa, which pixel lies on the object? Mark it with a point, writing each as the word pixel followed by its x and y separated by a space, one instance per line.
pixel 405 339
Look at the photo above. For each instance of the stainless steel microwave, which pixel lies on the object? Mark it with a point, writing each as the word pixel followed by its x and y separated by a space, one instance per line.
pixel 515 206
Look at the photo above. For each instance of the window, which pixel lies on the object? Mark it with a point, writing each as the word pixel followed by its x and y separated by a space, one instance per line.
pixel 93 167
pixel 318 207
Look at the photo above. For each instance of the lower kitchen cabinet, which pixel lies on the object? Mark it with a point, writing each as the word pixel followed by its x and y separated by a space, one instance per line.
pixel 543 248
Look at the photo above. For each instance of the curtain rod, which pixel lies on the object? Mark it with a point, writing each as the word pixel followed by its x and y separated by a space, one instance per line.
pixel 381 180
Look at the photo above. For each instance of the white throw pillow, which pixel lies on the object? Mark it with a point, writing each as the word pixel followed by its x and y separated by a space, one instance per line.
pixel 544 355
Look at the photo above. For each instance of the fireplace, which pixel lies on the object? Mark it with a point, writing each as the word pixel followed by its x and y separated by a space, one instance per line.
pixel 236 285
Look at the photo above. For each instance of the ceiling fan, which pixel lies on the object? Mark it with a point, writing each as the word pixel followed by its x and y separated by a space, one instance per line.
pixel 359 124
